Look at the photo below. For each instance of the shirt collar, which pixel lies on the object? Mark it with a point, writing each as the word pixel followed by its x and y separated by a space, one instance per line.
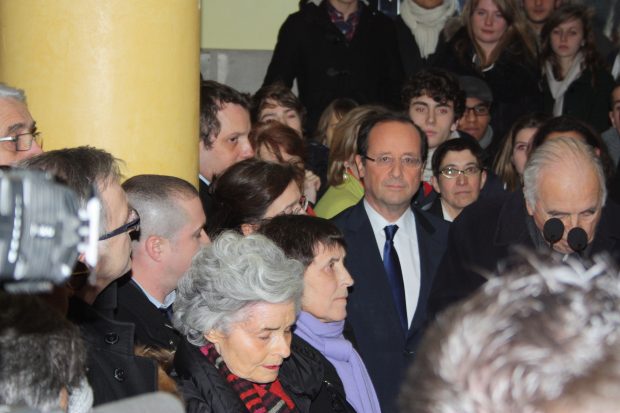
pixel 203 179
pixel 405 222
pixel 168 300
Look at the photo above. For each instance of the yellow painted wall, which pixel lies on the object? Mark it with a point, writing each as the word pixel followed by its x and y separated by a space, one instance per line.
pixel 243 24
pixel 121 75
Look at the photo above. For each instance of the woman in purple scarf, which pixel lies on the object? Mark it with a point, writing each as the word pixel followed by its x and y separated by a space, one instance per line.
pixel 320 247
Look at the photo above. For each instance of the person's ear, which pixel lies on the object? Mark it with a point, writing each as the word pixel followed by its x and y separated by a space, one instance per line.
pixel 214 336
pixel 435 184
pixel 359 162
pixel 483 178
pixel 154 247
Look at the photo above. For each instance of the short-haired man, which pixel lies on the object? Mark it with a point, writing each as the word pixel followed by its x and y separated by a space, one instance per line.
pixel 393 250
pixel 458 176
pixel 611 136
pixel 113 371
pixel 435 102
pixel 224 134
pixel 541 338
pixel 18 132
pixel 476 117
pixel 563 179
pixel 172 224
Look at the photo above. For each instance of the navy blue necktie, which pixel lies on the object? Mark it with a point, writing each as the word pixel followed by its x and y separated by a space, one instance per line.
pixel 391 263
pixel 167 312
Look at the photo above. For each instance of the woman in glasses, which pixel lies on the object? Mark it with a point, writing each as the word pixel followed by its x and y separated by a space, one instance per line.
pixel 252 190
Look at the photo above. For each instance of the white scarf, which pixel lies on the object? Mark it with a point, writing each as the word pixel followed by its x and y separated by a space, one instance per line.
pixel 426 24
pixel 559 87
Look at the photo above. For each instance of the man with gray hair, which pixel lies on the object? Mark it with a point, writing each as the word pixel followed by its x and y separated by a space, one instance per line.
pixel 171 232
pixel 18 131
pixel 113 371
pixel 546 340
pixel 563 179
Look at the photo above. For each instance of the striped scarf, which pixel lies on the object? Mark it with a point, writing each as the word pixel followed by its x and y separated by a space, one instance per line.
pixel 258 398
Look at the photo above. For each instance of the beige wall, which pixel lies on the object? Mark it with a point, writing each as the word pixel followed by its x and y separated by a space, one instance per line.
pixel 243 24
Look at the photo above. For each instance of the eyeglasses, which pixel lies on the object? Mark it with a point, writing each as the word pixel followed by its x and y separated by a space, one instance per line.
pixel 23 141
pixel 133 225
pixel 451 172
pixel 297 209
pixel 479 110
pixel 386 160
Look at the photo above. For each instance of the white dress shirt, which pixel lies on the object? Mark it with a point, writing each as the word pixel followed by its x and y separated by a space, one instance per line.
pixel 406 244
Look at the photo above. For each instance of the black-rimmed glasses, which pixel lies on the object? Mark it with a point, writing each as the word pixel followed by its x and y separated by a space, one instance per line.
pixel 132 226
pixel 23 141
pixel 479 110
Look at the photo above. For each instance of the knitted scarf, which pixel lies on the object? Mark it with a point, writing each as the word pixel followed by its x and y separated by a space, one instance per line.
pixel 426 24
pixel 327 338
pixel 258 398
pixel 559 87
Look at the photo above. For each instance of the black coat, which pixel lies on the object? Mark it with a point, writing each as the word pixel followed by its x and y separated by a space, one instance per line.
pixel 114 372
pixel 482 237
pixel 384 347
pixel 311 49
pixel 303 377
pixel 585 101
pixel 206 198
pixel 514 80
pixel 152 327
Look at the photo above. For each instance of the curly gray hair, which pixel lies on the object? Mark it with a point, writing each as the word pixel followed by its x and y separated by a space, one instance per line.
pixel 8 92
pixel 229 275
pixel 518 343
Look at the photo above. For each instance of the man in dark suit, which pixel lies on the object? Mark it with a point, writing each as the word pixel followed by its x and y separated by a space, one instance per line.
pixel 392 250
pixel 563 179
pixel 171 232
pixel 224 134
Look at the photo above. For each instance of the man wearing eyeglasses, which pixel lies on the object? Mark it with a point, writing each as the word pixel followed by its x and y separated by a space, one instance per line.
pixel 113 371
pixel 171 232
pixel 19 138
pixel 458 176
pixel 392 250
pixel 476 118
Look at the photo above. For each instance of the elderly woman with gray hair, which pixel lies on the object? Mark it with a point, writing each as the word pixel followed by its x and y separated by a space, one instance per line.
pixel 236 307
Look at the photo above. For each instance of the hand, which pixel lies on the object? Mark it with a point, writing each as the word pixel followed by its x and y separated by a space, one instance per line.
pixel 312 183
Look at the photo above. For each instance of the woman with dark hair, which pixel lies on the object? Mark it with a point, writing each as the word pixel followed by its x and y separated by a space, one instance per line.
pixel 497 45
pixel 251 191
pixel 510 160
pixel 319 245
pixel 576 83
pixel 276 142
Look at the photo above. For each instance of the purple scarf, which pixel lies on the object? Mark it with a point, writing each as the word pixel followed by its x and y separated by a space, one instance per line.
pixel 327 338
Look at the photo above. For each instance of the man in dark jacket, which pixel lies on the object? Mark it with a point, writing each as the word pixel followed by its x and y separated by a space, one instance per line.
pixel 114 372
pixel 393 251
pixel 563 179
pixel 171 232
pixel 224 134
pixel 337 49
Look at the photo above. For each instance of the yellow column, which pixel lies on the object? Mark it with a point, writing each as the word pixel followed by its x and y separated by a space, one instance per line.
pixel 122 75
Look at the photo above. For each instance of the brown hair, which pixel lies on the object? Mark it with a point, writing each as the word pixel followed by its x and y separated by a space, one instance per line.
pixel 277 138
pixel 338 108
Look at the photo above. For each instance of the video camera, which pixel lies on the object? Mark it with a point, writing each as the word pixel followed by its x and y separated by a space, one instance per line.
pixel 43 229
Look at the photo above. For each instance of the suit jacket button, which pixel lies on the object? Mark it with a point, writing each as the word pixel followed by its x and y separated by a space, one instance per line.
pixel 119 374
pixel 111 338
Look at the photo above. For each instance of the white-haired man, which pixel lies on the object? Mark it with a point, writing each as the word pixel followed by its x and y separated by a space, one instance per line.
pixel 546 340
pixel 563 179
pixel 18 131
pixel 171 232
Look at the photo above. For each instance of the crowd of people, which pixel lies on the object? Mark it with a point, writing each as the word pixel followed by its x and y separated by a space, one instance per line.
pixel 429 226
